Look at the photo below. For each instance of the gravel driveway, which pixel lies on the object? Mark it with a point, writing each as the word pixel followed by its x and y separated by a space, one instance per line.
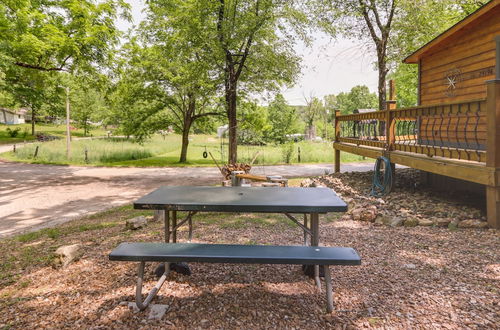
pixel 38 196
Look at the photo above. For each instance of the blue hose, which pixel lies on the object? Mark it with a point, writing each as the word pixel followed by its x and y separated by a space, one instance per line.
pixel 380 188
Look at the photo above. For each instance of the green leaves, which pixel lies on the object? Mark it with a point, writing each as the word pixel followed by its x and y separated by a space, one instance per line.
pixel 59 35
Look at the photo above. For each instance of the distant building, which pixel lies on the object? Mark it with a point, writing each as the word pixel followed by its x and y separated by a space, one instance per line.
pixel 364 110
pixel 12 117
pixel 221 130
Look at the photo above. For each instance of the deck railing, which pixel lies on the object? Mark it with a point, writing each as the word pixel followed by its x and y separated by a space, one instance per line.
pixel 453 130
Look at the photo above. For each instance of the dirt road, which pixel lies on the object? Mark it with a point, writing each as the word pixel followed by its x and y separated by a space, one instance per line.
pixel 38 196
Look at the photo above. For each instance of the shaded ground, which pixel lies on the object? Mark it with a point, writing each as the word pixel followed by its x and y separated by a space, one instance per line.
pixel 38 196
pixel 409 278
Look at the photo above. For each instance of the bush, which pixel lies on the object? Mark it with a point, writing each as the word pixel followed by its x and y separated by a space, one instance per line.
pixel 287 151
pixel 250 137
pixel 13 132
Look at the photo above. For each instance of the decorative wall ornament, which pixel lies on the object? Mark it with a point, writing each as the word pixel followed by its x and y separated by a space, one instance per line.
pixel 452 78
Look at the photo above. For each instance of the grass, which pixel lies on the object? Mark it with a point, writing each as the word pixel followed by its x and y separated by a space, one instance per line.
pixel 50 129
pixel 159 152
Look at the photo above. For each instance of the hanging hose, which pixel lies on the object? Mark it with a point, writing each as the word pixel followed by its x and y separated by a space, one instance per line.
pixel 380 188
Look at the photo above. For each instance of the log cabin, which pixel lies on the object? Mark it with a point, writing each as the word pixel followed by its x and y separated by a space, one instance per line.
pixel 454 131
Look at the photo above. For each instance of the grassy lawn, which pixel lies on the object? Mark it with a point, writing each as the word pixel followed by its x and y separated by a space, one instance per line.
pixel 50 129
pixel 159 151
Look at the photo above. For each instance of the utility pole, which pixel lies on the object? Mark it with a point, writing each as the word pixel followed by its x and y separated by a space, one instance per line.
pixel 68 134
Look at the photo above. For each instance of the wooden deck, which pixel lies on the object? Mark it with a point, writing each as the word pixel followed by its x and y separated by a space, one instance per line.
pixel 459 140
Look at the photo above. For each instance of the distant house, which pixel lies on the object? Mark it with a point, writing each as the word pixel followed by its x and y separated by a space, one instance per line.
pixel 364 110
pixel 12 117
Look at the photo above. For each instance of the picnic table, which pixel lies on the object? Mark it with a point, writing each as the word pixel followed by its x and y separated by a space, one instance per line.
pixel 290 201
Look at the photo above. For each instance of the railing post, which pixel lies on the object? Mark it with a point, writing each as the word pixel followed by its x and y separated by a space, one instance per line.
pixel 389 125
pixel 337 136
pixel 493 143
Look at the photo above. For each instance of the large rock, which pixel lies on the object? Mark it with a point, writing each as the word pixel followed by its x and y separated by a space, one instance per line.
pixel 425 222
pixel 365 213
pixel 411 222
pixel 472 223
pixel 136 223
pixel 66 254
pixel 351 203
pixel 443 222
pixel 396 221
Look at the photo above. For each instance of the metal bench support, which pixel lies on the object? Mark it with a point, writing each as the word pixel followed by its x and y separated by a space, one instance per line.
pixel 138 292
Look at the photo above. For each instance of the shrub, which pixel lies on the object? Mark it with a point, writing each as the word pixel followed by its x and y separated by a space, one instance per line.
pixel 13 132
pixel 287 151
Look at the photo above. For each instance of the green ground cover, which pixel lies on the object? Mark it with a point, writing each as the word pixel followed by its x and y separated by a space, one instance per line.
pixel 50 129
pixel 159 151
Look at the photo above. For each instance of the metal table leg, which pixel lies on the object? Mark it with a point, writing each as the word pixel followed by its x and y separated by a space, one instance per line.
pixel 174 225
pixel 167 226
pixel 307 226
pixel 329 289
pixel 315 242
pixel 164 268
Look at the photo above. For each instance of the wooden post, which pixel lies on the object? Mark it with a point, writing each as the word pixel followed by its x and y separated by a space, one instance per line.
pixel 389 126
pixel 493 144
pixel 337 136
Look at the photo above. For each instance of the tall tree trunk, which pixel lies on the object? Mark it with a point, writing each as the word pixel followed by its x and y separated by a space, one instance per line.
pixel 185 140
pixel 33 121
pixel 382 90
pixel 233 123
pixel 186 127
pixel 382 75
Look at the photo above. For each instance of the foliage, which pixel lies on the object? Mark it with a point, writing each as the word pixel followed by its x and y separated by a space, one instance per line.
pixel 359 97
pixel 13 132
pixel 287 151
pixel 87 101
pixel 414 27
pixel 392 29
pixel 282 120
pixel 367 20
pixel 252 48
pixel 165 79
pixel 39 39
pixel 406 79
pixel 254 124
pixel 311 112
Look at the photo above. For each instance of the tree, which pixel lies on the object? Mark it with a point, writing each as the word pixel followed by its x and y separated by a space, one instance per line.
pixel 40 38
pixel 254 123
pixel 359 97
pixel 310 113
pixel 88 102
pixel 393 27
pixel 360 19
pixel 282 119
pixel 251 51
pixel 162 84
pixel 414 27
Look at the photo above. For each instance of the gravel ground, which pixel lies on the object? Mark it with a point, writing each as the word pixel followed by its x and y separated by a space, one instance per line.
pixel 410 277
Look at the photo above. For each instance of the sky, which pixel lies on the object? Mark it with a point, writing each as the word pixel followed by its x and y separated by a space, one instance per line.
pixel 328 67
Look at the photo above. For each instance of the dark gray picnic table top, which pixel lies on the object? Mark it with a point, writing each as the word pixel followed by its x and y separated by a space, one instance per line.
pixel 227 253
pixel 242 199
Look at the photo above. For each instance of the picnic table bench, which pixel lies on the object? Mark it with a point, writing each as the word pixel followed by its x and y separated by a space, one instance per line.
pixel 233 254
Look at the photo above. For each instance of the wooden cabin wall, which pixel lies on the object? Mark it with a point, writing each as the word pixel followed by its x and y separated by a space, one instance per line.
pixel 468 57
